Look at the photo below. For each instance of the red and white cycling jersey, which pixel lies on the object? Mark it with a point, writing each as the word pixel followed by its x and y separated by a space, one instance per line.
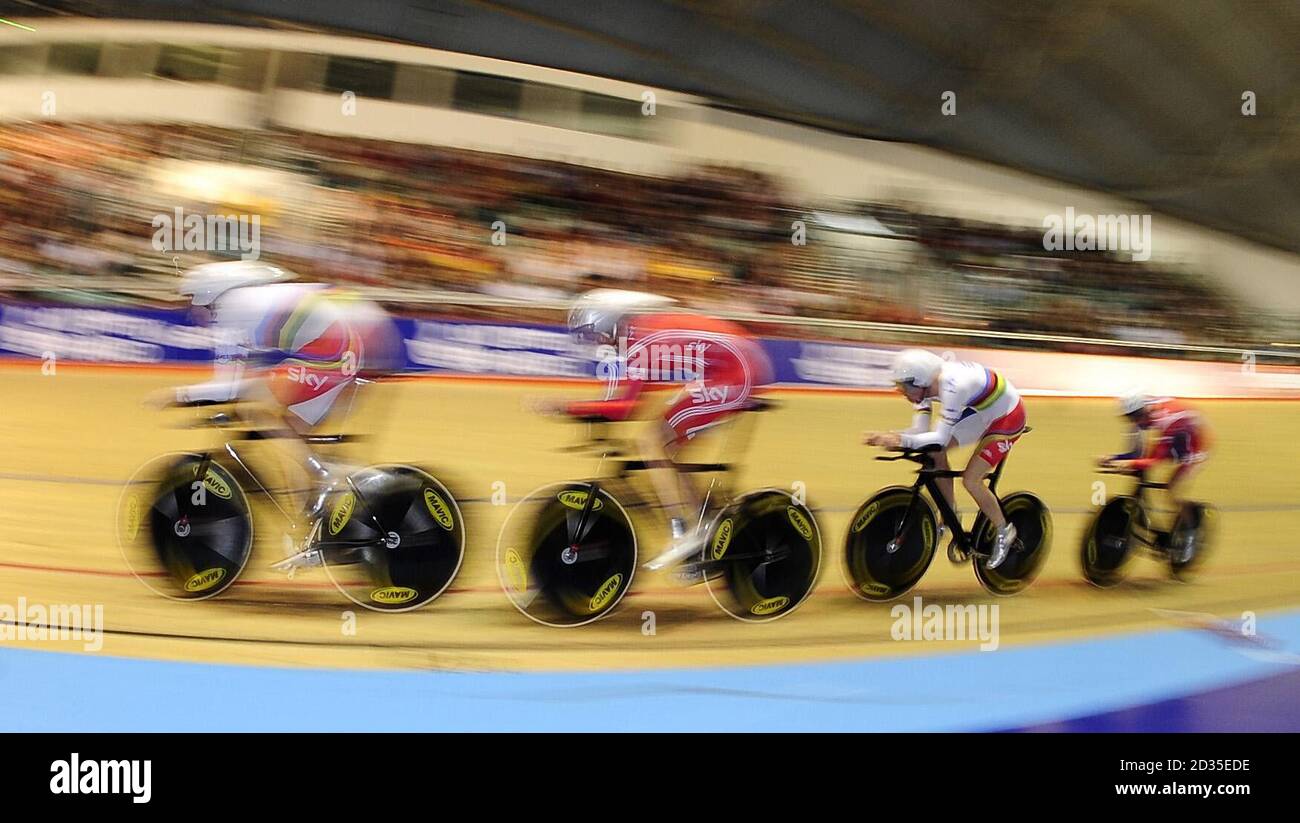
pixel 717 364
pixel 1178 434
pixel 976 406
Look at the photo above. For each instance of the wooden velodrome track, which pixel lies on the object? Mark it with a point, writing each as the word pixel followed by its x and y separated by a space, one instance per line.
pixel 71 439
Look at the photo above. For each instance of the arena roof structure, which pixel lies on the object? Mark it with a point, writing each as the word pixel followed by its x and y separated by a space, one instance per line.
pixel 1191 107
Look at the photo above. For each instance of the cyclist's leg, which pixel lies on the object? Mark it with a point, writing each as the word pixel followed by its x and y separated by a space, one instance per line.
pixel 659 446
pixel 299 406
pixel 973 478
pixel 998 437
pixel 263 409
pixel 968 430
pixel 1181 480
pixel 684 419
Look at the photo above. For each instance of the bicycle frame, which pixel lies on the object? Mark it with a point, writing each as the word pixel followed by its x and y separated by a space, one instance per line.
pixel 625 467
pixel 926 478
pixel 222 421
pixel 1153 539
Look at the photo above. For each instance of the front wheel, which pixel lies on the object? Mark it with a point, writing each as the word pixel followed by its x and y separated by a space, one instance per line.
pixel 1190 539
pixel 567 554
pixel 890 544
pixel 392 538
pixel 1109 540
pixel 1033 522
pixel 768 548
pixel 184 526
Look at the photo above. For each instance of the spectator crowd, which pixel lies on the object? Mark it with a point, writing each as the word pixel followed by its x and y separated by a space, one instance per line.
pixel 78 201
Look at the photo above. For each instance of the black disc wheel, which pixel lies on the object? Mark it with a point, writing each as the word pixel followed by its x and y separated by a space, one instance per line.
pixel 891 541
pixel 768 548
pixel 392 537
pixel 1190 539
pixel 1028 553
pixel 567 554
pixel 184 526
pixel 1109 540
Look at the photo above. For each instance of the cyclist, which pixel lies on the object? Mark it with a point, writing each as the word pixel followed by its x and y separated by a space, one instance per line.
pixel 645 346
pixel 289 351
pixel 1179 434
pixel 977 406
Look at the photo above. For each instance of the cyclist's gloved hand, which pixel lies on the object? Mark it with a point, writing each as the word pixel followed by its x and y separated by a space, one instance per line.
pixel 886 440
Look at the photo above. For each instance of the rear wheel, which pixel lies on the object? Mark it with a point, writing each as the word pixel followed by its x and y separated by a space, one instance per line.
pixel 184 537
pixel 567 554
pixel 1109 540
pixel 768 548
pixel 392 538
pixel 882 559
pixel 1190 539
pixel 1033 524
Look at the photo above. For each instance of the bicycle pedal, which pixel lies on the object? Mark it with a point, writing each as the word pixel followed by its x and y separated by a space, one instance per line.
pixel 956 554
pixel 688 576
pixel 305 559
pixel 696 572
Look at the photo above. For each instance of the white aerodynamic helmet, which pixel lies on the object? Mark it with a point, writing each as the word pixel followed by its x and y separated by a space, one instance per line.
pixel 916 367
pixel 1132 402
pixel 597 313
pixel 204 284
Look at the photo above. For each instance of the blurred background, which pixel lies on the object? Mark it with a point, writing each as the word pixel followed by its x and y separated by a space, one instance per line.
pixel 843 177
pixel 736 185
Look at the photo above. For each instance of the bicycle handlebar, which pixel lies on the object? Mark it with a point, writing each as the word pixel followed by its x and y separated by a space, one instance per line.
pixel 220 420
pixel 227 420
pixel 915 455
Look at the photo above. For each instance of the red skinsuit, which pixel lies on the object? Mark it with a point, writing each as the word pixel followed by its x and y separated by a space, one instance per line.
pixel 720 365
pixel 1179 435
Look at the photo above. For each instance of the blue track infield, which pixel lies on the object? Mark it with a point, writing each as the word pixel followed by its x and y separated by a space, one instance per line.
pixel 1169 680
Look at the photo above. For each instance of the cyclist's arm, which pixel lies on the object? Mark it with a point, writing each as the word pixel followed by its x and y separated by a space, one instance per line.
pixel 615 408
pixel 951 404
pixel 1176 446
pixel 226 388
pixel 921 420
pixel 1166 447
pixel 227 383
pixel 1134 451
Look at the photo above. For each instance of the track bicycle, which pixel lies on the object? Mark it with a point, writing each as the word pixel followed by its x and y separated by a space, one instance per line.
pixel 391 537
pixel 568 552
pixel 893 535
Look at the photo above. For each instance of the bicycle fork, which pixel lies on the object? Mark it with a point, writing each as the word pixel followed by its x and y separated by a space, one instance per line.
pixel 570 554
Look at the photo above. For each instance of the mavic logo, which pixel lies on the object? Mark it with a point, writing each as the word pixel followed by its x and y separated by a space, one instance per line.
pixel 576 499
pixel 722 539
pixel 342 512
pixel 133 517
pixel 438 508
pixel 768 606
pixel 607 591
pixel 516 571
pixel 863 519
pixel 204 580
pixel 799 522
pixel 393 594
pixel 215 484
pixel 301 374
